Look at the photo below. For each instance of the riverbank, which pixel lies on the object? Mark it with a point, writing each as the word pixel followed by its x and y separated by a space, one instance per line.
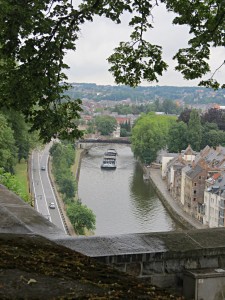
pixel 79 153
pixel 75 169
pixel 61 204
pixel 154 175
pixel 173 207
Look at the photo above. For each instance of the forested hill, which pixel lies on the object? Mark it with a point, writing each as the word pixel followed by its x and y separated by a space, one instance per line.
pixel 189 95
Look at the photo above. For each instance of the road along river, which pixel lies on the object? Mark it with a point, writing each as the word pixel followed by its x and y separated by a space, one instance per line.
pixel 121 200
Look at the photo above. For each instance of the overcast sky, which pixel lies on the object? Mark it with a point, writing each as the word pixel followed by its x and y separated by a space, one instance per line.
pixel 98 39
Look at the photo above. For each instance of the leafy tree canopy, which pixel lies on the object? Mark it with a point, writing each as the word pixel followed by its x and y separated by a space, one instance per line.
pixel 21 133
pixel 149 135
pixel 195 130
pixel 12 183
pixel 81 217
pixel 105 124
pixel 177 139
pixel 214 115
pixel 36 35
pixel 185 115
pixel 8 149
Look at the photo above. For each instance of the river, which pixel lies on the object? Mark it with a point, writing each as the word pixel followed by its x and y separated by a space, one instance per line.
pixel 121 200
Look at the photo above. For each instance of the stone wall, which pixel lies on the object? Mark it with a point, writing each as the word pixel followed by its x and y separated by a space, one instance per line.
pixel 167 269
pixel 177 217
pixel 161 258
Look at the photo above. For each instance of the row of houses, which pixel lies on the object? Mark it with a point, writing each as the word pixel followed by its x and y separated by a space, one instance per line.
pixel 197 182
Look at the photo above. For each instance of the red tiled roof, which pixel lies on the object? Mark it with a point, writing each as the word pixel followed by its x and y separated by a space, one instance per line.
pixel 216 176
pixel 122 120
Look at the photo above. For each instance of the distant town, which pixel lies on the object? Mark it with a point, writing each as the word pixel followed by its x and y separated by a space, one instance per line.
pixel 126 104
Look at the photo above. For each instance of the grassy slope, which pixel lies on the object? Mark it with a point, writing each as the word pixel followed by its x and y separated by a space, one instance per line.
pixel 21 175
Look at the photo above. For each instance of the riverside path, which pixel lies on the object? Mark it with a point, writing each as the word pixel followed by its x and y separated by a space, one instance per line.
pixel 173 206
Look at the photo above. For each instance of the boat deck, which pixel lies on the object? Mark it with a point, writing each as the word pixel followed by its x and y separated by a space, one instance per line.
pixel 109 159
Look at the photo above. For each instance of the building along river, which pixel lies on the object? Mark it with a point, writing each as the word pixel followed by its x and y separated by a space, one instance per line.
pixel 121 200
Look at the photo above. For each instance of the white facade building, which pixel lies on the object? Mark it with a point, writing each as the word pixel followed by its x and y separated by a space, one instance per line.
pixel 212 203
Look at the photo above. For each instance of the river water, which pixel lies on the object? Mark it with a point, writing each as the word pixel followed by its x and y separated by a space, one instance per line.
pixel 121 200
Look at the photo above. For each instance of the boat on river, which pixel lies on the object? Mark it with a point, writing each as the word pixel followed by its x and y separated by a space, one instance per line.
pixel 111 152
pixel 109 160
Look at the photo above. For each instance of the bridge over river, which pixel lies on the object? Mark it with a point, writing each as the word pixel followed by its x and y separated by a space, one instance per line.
pixel 87 143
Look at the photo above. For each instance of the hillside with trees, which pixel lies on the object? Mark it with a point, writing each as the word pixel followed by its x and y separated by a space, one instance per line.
pixel 16 143
pixel 16 140
pixel 141 94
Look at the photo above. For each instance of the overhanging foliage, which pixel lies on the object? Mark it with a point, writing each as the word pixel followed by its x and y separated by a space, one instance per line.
pixel 36 35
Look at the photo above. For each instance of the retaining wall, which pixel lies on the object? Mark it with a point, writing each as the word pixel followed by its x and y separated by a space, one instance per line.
pixel 178 218
pixel 162 258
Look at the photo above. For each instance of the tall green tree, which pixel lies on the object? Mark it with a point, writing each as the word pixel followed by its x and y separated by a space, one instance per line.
pixel 91 126
pixel 81 217
pixel 214 115
pixel 20 132
pixel 170 107
pixel 211 135
pixel 36 35
pixel 125 129
pixel 149 135
pixel 177 137
pixel 105 124
pixel 195 130
pixel 67 187
pixel 185 115
pixel 63 155
pixel 8 149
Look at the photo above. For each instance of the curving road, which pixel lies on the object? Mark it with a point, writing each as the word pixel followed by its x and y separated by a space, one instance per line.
pixel 42 187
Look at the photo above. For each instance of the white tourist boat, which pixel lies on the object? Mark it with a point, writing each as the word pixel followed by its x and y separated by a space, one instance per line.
pixel 109 160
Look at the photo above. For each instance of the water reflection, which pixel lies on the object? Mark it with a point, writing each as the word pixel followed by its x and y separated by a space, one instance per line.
pixel 120 199
pixel 142 195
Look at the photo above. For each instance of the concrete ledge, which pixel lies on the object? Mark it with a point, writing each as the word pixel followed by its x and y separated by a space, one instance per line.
pixel 162 257
pixel 19 217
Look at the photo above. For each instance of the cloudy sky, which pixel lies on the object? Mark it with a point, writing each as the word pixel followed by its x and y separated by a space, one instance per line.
pixel 98 39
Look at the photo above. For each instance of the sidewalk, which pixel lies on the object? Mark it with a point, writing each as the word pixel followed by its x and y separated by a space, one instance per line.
pixel 174 208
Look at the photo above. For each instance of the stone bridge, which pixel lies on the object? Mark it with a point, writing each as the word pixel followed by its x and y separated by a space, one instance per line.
pixel 88 143
pixel 166 259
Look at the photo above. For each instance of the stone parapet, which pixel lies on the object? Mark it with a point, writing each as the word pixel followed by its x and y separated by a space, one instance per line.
pixel 161 257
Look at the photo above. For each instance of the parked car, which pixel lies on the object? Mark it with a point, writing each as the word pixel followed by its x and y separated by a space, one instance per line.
pixel 43 168
pixel 52 205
